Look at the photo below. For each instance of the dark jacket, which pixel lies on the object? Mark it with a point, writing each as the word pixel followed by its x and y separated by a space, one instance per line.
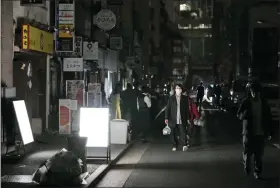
pixel 171 110
pixel 129 98
pixel 245 114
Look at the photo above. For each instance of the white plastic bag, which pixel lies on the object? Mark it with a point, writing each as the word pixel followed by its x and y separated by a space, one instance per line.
pixel 199 122
pixel 166 130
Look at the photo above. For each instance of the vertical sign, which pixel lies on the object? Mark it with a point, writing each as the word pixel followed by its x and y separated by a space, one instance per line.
pixel 79 45
pixel 65 23
pixel 25 37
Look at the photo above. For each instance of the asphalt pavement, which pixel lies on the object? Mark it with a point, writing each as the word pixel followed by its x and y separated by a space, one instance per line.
pixel 214 160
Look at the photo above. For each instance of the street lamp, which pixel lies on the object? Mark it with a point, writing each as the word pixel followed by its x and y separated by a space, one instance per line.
pixel 278 63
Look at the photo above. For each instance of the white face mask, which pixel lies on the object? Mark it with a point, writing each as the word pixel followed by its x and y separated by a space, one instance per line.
pixel 178 91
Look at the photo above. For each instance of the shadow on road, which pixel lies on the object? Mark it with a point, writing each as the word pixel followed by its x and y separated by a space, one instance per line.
pixel 222 126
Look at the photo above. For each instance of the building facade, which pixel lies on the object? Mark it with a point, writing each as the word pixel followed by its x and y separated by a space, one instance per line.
pixel 33 48
pixel 7 31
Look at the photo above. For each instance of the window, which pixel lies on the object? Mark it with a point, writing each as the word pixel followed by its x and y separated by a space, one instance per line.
pixel 177 60
pixel 176 72
pixel 200 26
pixel 177 41
pixel 177 49
pixel 185 7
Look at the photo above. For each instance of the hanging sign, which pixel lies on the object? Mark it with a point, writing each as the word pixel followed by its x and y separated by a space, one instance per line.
pixel 73 65
pixel 106 19
pixel 79 45
pixel 65 22
pixel 90 50
pixel 116 43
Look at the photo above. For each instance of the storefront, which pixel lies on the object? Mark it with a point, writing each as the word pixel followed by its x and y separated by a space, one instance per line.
pixel 31 70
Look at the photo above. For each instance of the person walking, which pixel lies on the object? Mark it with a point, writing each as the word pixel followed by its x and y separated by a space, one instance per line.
pixel 256 117
pixel 128 102
pixel 144 115
pixel 115 100
pixel 176 117
pixel 200 94
pixel 225 96
pixel 218 92
pixel 193 115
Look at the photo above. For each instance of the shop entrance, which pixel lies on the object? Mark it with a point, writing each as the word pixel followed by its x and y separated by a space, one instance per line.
pixel 30 82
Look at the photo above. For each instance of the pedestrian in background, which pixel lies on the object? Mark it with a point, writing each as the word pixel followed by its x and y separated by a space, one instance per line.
pixel 176 117
pixel 225 96
pixel 200 94
pixel 256 117
pixel 115 100
pixel 144 115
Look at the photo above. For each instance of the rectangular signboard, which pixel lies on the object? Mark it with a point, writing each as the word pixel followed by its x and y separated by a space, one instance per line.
pixel 73 65
pixel 65 16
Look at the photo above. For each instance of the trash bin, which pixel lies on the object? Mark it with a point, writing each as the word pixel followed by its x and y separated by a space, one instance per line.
pixel 77 145
pixel 119 131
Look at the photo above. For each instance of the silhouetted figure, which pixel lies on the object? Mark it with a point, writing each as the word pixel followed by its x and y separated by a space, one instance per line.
pixel 144 115
pixel 200 93
pixel 256 117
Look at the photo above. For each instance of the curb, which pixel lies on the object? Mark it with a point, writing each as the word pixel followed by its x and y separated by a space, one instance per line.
pixel 102 170
pixel 92 180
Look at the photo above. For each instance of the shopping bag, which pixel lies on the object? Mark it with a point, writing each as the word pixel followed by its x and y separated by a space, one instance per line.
pixel 166 130
pixel 199 122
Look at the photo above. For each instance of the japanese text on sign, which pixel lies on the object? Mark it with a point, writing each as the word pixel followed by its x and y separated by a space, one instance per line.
pixel 73 65
pixel 25 37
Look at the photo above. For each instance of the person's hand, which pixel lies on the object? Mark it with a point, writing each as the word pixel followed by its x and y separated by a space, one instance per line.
pixel 269 137
pixel 166 121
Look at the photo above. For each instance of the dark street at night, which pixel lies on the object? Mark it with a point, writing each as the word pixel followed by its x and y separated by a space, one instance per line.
pixel 214 160
pixel 140 93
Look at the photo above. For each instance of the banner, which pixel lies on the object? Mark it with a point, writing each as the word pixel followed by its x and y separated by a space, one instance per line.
pixel 94 95
pixel 65 17
pixel 75 91
pixel 64 116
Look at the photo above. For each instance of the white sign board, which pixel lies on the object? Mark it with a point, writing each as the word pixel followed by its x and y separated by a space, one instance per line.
pixel 73 65
pixel 106 19
pixel 90 50
pixel 23 122
pixel 94 124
